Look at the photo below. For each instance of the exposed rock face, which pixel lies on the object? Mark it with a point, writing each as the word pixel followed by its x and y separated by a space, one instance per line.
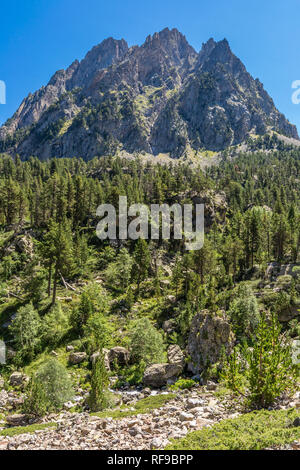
pixel 77 357
pixel 161 97
pixel 215 205
pixel 157 375
pixel 175 355
pixel 209 336
pixel 119 356
pixel 25 245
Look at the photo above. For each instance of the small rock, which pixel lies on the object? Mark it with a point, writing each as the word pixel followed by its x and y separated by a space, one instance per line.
pixel 156 443
pixel 211 386
pixel 17 379
pixel 183 416
pixel 77 357
pixel 193 403
pixel 296 423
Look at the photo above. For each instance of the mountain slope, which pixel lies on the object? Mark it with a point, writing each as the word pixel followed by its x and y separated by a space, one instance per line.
pixel 161 97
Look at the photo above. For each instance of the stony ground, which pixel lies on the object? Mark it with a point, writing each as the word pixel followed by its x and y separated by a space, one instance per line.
pixel 189 411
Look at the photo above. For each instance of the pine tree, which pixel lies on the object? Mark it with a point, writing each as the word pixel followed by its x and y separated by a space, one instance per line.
pixel 141 258
pixel 98 399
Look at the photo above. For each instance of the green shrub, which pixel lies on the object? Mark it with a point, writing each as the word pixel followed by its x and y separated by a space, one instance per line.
pixel 118 274
pixel 146 342
pixel 284 282
pixel 36 403
pixel 244 312
pixel 50 388
pixel 262 374
pixel 183 384
pixel 55 326
pixel 253 431
pixel 25 329
pixel 98 399
pixel 132 375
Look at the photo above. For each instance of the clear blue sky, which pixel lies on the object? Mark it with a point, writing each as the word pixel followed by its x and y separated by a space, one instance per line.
pixel 38 37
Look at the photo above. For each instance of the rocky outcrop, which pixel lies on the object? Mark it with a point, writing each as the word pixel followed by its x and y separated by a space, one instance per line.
pixel 161 97
pixel 210 336
pixel 25 245
pixel 215 205
pixel 22 243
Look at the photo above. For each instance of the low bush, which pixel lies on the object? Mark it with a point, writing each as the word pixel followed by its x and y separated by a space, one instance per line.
pixel 183 384
pixel 50 388
pixel 253 431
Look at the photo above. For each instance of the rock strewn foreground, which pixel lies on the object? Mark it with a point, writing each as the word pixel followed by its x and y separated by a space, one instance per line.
pixel 82 431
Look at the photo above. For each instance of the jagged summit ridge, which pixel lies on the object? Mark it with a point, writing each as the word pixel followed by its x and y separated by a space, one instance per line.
pixel 160 97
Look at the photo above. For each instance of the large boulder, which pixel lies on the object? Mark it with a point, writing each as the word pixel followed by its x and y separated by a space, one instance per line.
pixel 175 355
pixel 157 375
pixel 17 379
pixel 16 420
pixel 210 335
pixel 77 357
pixel 119 356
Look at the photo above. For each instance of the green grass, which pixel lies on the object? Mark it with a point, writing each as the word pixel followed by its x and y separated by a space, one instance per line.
pixel 9 432
pixel 141 407
pixel 63 356
pixel 253 431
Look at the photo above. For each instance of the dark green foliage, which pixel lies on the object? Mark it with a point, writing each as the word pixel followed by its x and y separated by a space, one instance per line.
pixel 26 328
pixel 146 342
pixel 98 398
pixel 50 255
pixel 263 373
pixel 50 388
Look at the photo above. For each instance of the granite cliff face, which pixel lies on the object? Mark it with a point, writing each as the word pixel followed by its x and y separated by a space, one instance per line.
pixel 161 98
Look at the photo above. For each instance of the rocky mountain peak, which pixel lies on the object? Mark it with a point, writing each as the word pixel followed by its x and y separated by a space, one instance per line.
pixel 171 42
pixel 100 57
pixel 160 97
